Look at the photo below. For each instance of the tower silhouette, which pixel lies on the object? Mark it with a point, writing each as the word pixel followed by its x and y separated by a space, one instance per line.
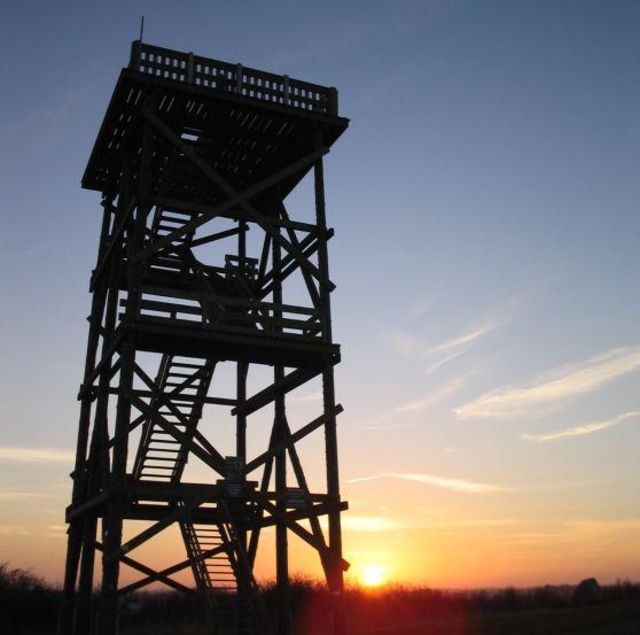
pixel 204 283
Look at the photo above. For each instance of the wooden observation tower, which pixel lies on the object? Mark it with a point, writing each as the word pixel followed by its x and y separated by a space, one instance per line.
pixel 202 273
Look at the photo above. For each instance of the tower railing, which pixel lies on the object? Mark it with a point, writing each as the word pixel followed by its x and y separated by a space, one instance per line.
pixel 232 78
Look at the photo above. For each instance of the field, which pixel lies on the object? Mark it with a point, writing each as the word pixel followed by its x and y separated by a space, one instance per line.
pixel 28 607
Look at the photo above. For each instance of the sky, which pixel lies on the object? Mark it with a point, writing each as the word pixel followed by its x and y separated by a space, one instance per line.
pixel 485 200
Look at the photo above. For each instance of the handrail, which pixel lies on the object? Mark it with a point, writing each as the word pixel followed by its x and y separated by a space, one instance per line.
pixel 232 78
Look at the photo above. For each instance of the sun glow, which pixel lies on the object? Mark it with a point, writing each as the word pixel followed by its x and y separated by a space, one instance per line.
pixel 373 575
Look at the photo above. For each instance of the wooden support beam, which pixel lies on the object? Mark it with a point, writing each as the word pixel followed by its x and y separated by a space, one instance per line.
pixel 307 536
pixel 215 401
pixel 162 576
pixel 87 386
pixel 235 199
pixel 75 512
pixel 291 439
pixel 240 199
pixel 214 462
pixel 279 388
pixel 113 241
pixel 177 513
pixel 134 564
pixel 197 209
pixel 312 511
pixel 218 236
pixel 165 401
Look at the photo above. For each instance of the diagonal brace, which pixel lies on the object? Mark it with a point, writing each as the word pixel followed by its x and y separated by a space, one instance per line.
pixel 240 199
pixel 291 439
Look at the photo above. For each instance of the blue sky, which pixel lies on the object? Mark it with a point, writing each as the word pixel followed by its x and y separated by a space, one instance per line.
pixel 485 201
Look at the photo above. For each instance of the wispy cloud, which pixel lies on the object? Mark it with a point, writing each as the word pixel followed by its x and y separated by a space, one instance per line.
pixel 451 349
pixel 553 388
pixel 583 429
pixel 444 482
pixel 413 346
pixel 439 363
pixel 435 396
pixel 461 342
pixel 35 455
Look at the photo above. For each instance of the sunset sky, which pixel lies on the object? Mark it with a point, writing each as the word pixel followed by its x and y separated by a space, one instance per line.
pixel 486 204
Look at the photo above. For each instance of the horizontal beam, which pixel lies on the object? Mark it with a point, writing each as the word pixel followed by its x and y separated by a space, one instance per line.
pixel 189 207
pixel 298 514
pixel 153 513
pixel 159 491
pixel 215 401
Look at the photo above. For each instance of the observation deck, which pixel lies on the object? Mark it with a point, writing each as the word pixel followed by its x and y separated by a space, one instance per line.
pixel 247 123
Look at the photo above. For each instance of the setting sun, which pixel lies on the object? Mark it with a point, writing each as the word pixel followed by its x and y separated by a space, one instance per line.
pixel 373 575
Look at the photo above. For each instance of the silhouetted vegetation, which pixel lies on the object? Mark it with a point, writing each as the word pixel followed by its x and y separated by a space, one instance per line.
pixel 28 606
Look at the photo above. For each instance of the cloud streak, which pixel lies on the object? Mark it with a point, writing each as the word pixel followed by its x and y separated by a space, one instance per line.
pixel 551 389
pixel 412 346
pixel 583 429
pixel 35 455
pixel 443 482
pixel 462 342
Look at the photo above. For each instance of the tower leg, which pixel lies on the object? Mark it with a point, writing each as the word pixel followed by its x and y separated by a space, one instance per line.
pixel 336 580
pixel 112 523
pixel 280 428
pixel 74 544
pixel 85 585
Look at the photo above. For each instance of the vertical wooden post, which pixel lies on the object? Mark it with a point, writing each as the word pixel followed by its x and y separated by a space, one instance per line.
pixel 112 523
pixel 107 622
pixel 74 541
pixel 96 470
pixel 280 430
pixel 336 581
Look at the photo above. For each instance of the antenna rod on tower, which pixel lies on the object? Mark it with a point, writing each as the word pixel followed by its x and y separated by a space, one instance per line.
pixel 141 28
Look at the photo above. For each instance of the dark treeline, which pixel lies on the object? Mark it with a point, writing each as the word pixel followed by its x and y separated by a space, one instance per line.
pixel 28 605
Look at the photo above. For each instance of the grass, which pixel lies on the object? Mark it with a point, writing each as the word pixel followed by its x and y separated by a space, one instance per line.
pixel 28 606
